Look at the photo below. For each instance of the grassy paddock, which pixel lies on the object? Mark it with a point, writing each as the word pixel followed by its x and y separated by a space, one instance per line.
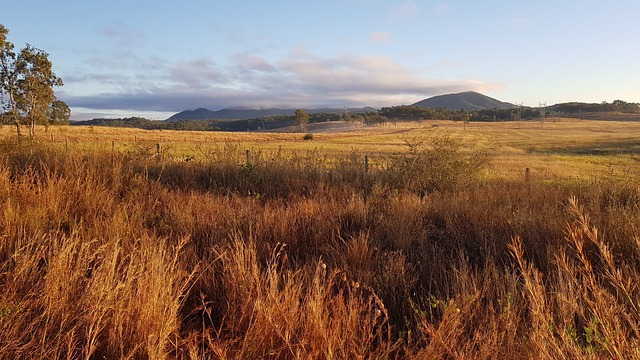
pixel 558 149
pixel 441 250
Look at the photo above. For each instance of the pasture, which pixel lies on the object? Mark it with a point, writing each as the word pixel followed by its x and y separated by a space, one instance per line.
pixel 111 247
pixel 557 149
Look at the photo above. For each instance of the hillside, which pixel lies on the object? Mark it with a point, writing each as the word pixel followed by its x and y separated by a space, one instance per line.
pixel 469 101
pixel 245 113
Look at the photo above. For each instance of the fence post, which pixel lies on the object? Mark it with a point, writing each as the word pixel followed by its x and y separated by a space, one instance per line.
pixel 248 154
pixel 527 177
pixel 159 150
pixel 66 144
pixel 366 163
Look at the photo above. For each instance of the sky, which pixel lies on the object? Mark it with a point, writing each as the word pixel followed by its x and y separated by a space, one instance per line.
pixel 122 58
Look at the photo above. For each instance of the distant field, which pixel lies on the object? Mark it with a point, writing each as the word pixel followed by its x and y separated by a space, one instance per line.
pixel 559 148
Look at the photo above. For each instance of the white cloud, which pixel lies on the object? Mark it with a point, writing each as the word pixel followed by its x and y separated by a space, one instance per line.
pixel 123 35
pixel 379 37
pixel 300 79
pixel 195 74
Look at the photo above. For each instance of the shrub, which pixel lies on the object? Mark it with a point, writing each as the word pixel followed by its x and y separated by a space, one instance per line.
pixel 431 164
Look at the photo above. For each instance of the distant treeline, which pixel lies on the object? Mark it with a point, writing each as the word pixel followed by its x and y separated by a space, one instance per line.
pixel 410 112
pixel 516 113
pixel 264 123
pixel 615 106
pixel 142 123
pixel 386 114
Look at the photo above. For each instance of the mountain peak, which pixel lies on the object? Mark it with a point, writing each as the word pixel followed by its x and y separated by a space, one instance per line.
pixel 468 100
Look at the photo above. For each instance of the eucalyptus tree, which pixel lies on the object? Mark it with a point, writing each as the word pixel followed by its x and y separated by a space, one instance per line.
pixel 35 86
pixel 26 85
pixel 302 118
pixel 8 79
pixel 58 113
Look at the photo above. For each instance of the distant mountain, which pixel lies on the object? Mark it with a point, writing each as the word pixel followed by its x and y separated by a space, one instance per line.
pixel 244 113
pixel 469 101
pixel 227 114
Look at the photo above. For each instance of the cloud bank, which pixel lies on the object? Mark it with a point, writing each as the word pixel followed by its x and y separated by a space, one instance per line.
pixel 300 79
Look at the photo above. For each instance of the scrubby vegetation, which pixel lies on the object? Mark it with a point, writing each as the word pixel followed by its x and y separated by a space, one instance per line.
pixel 306 255
pixel 578 107
pixel 392 114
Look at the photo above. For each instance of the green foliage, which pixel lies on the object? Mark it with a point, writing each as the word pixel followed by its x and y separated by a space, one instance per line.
pixel 8 78
pixel 410 112
pixel 375 120
pixel 578 107
pixel 516 113
pixel 146 124
pixel 27 85
pixel 35 84
pixel 58 113
pixel 302 119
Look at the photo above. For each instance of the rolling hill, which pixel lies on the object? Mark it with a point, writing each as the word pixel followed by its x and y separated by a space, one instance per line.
pixel 246 113
pixel 469 101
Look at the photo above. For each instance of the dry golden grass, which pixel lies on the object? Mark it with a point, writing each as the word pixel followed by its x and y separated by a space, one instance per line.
pixel 558 150
pixel 300 254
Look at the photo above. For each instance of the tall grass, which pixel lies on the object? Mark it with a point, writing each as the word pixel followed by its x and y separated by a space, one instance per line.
pixel 295 255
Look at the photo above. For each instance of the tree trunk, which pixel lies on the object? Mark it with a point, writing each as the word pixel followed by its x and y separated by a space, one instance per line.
pixel 32 129
pixel 18 127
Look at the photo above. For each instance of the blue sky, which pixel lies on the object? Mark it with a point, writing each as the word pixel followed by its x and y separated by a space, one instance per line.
pixel 156 58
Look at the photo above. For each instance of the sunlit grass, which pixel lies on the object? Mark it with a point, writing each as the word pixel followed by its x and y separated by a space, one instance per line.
pixel 110 250
pixel 559 148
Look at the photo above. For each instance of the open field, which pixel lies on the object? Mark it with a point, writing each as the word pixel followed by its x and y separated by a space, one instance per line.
pixel 558 149
pixel 441 250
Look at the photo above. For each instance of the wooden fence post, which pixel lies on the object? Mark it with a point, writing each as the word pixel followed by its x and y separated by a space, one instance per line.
pixel 366 163
pixel 248 155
